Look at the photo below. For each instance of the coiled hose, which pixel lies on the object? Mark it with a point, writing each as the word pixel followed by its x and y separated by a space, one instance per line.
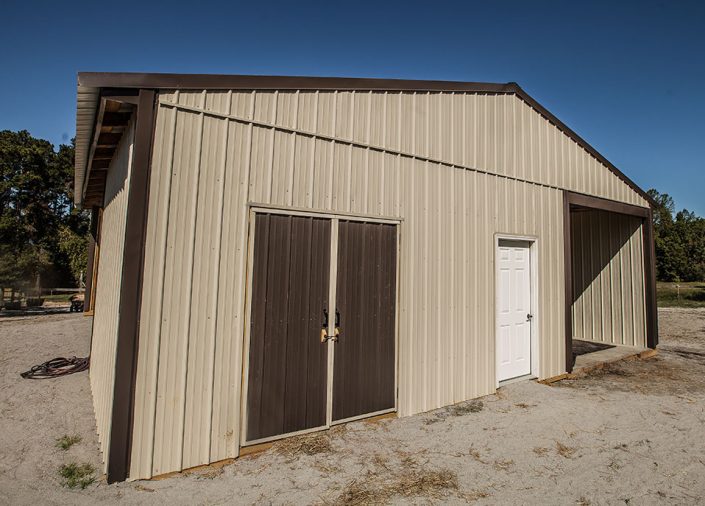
pixel 56 367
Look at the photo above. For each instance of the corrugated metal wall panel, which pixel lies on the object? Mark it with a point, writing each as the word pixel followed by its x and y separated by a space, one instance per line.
pixel 107 295
pixel 495 167
pixel 608 274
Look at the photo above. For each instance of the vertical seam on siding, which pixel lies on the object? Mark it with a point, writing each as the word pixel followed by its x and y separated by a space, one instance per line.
pixel 184 383
pixel 216 283
pixel 167 212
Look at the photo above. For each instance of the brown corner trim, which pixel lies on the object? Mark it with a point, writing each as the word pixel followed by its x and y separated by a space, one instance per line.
pixel 131 291
pixel 568 283
pixel 650 281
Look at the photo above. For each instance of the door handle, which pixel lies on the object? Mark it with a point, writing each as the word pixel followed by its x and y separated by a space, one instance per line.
pixel 324 326
pixel 529 317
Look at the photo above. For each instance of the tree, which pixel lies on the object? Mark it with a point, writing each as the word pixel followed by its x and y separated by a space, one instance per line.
pixel 679 241
pixel 40 231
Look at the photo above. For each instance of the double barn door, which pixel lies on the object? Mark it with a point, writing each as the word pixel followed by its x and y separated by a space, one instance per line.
pixel 322 323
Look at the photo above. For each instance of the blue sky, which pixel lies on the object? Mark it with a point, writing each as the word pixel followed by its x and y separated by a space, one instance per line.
pixel 626 76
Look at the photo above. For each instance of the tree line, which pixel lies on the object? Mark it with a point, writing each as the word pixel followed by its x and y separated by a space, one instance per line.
pixel 680 241
pixel 43 237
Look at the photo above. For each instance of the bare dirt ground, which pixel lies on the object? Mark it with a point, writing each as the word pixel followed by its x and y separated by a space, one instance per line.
pixel 633 433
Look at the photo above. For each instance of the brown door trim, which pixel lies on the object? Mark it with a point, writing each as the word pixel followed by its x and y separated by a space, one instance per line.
pixel 131 291
pixel 645 213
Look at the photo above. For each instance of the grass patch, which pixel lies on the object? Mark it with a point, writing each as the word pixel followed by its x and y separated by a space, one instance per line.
pixel 313 444
pixel 688 295
pixel 77 475
pixel 541 451
pixel 465 408
pixel 429 484
pixel 65 442
pixel 565 451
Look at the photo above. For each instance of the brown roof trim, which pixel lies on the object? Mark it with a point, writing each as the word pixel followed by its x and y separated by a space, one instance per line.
pixel 583 143
pixel 249 82
pixel 223 82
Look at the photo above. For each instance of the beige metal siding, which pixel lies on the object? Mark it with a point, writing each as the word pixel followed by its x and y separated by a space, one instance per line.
pixel 456 168
pixel 107 294
pixel 608 278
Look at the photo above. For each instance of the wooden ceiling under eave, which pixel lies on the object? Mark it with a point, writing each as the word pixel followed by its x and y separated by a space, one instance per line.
pixel 112 120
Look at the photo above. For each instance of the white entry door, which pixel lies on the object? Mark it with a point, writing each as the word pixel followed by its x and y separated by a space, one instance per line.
pixel 513 310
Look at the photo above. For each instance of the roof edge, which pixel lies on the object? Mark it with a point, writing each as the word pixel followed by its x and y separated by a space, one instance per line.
pixel 140 80
pixel 225 81
pixel 583 143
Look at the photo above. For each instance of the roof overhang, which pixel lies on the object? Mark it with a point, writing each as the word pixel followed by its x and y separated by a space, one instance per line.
pixel 93 87
pixel 101 118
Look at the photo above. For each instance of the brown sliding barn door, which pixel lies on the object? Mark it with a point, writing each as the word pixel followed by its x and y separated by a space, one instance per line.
pixel 287 375
pixel 363 372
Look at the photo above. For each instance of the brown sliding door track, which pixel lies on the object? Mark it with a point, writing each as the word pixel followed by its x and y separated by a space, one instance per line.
pixel 580 200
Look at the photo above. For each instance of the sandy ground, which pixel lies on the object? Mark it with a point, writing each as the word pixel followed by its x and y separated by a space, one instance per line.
pixel 631 434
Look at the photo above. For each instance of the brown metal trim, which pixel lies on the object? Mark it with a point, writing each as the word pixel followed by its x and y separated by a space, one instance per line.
pixel 131 291
pixel 220 81
pixel 579 199
pixel 568 283
pixel 92 237
pixel 583 143
pixel 250 82
pixel 650 281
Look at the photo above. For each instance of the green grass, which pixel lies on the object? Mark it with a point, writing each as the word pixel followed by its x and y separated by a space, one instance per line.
pixel 691 294
pixel 77 475
pixel 66 442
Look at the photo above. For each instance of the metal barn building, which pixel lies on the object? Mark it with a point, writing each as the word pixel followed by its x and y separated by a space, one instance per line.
pixel 276 255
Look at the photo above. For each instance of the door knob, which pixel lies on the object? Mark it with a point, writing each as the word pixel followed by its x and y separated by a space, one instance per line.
pixel 529 317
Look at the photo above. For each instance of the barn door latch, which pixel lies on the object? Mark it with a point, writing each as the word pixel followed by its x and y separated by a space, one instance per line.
pixel 324 327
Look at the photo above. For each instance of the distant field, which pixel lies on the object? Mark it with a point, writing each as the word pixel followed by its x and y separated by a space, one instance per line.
pixel 691 294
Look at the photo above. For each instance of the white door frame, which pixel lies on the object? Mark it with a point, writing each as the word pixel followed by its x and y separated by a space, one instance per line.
pixel 253 210
pixel 534 324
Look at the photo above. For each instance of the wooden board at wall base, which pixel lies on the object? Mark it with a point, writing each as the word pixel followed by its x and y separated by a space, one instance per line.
pixel 582 372
pixel 385 416
pixel 254 449
pixel 213 466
